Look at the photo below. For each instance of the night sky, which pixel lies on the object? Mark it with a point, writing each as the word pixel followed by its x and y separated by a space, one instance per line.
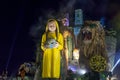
pixel 18 16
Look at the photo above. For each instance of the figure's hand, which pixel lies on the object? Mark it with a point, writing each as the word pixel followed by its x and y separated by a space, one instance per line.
pixel 46 46
pixel 65 34
pixel 56 45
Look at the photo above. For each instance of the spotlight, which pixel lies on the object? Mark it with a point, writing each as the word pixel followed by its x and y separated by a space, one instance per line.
pixel 81 71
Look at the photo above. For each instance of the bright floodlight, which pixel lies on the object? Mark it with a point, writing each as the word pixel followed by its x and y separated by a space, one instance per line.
pixel 81 71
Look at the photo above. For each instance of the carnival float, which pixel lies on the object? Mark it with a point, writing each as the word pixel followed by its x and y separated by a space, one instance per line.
pixel 88 54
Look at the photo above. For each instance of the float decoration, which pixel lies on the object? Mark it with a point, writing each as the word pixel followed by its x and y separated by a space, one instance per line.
pixel 98 63
pixel 50 43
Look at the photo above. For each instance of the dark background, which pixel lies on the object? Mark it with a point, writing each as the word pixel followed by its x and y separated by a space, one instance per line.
pixel 17 17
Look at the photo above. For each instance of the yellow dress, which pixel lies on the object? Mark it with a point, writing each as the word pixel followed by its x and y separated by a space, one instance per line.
pixel 51 57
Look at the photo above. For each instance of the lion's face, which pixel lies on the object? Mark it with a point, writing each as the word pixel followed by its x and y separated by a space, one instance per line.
pixel 90 31
pixel 86 35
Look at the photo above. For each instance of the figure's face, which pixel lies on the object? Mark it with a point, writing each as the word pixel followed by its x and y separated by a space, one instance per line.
pixel 52 26
pixel 65 22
